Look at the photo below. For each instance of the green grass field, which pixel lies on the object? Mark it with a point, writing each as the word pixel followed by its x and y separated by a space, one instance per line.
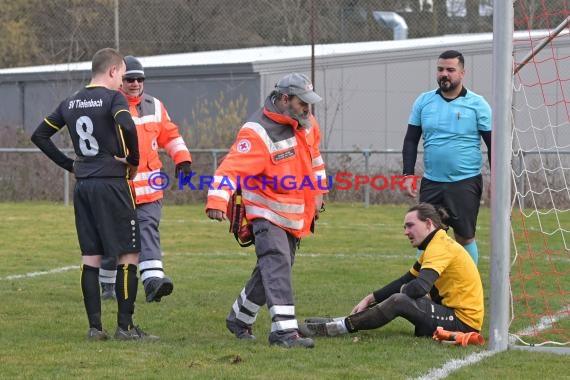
pixel 355 250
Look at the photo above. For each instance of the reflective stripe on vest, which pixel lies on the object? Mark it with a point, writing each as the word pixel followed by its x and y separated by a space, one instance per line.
pixel 220 193
pixel 317 161
pixel 145 190
pixel 223 190
pixel 228 183
pixel 154 118
pixel 144 176
pixel 277 206
pixel 141 183
pixel 271 146
pixel 176 145
pixel 274 217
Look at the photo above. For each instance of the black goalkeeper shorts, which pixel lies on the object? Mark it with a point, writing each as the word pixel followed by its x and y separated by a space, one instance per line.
pixel 105 217
pixel 427 315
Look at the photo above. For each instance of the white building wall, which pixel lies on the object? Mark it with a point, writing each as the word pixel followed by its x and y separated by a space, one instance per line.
pixel 368 88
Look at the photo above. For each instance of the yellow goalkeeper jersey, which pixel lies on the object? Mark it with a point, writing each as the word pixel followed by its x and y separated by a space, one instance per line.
pixel 459 283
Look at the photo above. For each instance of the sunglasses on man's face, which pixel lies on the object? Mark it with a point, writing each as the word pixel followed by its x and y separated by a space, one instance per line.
pixel 131 80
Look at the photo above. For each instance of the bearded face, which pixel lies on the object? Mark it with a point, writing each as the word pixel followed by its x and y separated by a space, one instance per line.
pixel 449 75
pixel 295 108
pixel 301 114
pixel 446 84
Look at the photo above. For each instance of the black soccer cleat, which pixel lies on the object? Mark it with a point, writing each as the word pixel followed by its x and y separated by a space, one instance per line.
pixel 155 288
pixel 93 334
pixel 134 333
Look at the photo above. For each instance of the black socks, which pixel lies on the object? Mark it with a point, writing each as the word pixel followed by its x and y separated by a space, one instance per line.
pixel 126 291
pixel 91 295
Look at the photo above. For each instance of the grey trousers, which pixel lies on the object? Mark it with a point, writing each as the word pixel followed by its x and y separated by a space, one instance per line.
pixel 270 282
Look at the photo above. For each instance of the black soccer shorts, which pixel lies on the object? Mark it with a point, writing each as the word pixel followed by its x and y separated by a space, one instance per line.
pixel 105 217
pixel 461 199
pixel 427 315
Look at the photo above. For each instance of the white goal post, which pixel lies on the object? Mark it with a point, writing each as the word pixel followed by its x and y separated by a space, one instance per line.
pixel 503 26
pixel 530 173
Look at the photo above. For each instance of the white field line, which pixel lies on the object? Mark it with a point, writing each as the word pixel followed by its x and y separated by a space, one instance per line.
pixel 219 254
pixel 36 274
pixel 544 323
pixel 403 256
pixel 407 255
pixel 454 365
pixel 239 253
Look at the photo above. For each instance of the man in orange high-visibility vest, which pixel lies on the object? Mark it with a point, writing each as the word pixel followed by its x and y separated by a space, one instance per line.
pixel 277 164
pixel 155 130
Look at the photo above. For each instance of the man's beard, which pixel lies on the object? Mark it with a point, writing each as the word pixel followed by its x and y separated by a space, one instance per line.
pixel 304 119
pixel 445 85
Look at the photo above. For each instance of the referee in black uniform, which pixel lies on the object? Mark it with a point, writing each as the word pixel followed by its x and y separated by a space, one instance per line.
pixel 106 147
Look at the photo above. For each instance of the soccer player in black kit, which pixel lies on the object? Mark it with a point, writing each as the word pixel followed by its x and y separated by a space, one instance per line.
pixel 106 147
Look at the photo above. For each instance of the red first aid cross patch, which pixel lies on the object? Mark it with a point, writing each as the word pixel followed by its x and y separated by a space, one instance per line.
pixel 243 146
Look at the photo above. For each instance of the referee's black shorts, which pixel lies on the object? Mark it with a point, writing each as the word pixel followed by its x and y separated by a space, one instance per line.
pixel 461 199
pixel 105 217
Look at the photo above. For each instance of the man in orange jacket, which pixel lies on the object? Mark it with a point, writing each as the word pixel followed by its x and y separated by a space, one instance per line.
pixel 276 162
pixel 155 130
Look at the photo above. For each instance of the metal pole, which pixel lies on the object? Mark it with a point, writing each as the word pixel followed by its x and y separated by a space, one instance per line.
pixel 366 153
pixel 503 19
pixel 117 24
pixel 215 156
pixel 313 48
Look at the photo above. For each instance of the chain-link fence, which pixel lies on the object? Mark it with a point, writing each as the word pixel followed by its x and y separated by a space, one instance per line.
pixel 365 176
pixel 57 31
pixel 361 176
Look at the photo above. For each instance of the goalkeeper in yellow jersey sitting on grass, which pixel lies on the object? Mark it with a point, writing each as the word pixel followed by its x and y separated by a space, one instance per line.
pixel 443 288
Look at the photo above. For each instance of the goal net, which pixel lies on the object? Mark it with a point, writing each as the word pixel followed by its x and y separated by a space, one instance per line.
pixel 540 167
